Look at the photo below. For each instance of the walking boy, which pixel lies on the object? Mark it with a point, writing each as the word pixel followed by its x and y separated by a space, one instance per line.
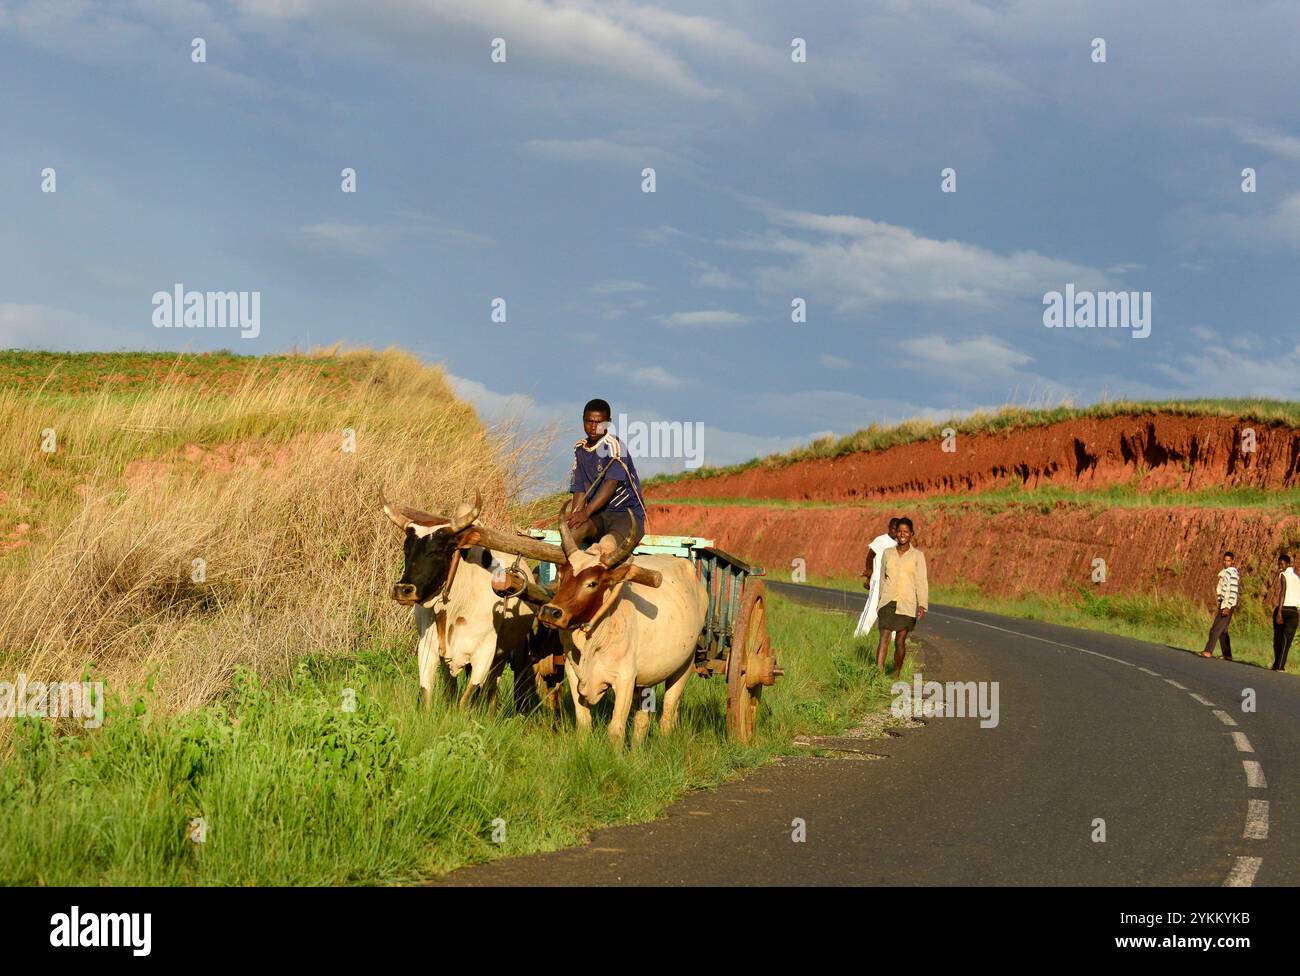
pixel 1225 592
pixel 904 595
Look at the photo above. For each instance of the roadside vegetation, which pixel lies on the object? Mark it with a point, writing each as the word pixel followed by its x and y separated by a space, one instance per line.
pixel 231 681
pixel 292 788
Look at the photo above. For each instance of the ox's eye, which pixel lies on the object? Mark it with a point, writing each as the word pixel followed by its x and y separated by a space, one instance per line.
pixel 591 585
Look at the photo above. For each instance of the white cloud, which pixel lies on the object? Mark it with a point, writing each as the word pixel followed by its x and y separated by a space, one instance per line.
pixel 862 263
pixel 835 362
pixel 355 239
pixel 656 377
pixel 705 318
pixel 563 33
pixel 597 150
pixel 979 357
pixel 1271 140
pixel 618 286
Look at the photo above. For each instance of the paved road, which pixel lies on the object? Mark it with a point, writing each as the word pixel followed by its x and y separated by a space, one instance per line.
pixel 1193 790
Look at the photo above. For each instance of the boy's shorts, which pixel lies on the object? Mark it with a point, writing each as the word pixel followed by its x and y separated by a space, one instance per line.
pixel 617 524
pixel 890 619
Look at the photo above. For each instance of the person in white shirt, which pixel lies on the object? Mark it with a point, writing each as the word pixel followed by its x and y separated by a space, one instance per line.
pixel 1226 592
pixel 871 577
pixel 1286 611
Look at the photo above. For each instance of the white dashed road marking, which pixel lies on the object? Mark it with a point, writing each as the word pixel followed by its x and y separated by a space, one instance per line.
pixel 1203 701
pixel 1149 671
pixel 1176 684
pixel 1225 718
pixel 1243 871
pixel 1256 820
pixel 1254 775
pixel 1241 742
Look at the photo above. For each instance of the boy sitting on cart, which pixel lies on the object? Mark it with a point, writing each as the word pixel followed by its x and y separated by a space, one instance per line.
pixel 606 490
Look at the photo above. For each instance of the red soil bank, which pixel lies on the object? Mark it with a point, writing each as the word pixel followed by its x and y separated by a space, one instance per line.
pixel 1157 450
pixel 1161 551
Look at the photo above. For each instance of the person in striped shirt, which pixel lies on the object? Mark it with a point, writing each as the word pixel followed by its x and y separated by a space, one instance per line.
pixel 1226 593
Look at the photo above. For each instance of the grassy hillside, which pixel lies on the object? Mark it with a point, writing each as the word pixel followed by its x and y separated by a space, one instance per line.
pixel 117 472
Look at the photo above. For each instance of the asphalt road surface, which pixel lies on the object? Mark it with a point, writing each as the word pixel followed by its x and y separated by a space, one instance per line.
pixel 1192 787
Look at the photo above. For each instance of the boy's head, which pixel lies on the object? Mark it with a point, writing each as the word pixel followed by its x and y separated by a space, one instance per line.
pixel 903 532
pixel 595 419
pixel 893 528
pixel 1284 562
pixel 1227 559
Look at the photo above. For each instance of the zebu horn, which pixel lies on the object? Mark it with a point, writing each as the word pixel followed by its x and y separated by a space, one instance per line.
pixel 566 534
pixel 633 537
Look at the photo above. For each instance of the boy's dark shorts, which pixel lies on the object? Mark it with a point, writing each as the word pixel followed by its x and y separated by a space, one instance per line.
pixel 617 524
pixel 889 618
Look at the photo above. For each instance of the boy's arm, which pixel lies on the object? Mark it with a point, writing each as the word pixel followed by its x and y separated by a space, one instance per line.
pixel 922 587
pixel 603 494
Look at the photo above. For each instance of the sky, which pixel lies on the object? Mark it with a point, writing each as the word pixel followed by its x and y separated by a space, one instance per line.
pixel 775 178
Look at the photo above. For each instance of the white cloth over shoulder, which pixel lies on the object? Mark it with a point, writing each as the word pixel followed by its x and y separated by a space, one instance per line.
pixel 868 619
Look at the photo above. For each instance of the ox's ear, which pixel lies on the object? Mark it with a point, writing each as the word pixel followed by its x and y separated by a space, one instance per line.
pixel 405 517
pixel 467 537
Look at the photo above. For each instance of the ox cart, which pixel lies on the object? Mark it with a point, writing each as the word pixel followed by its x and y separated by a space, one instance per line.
pixel 734 641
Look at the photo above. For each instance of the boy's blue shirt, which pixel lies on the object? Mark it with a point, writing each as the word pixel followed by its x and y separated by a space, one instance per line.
pixel 608 460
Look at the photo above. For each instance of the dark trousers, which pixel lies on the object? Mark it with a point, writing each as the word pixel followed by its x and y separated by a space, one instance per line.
pixel 1219 633
pixel 1283 634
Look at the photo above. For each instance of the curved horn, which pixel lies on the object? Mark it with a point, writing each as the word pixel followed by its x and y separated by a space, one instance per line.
pixel 398 520
pixel 633 537
pixel 403 515
pixel 460 523
pixel 566 534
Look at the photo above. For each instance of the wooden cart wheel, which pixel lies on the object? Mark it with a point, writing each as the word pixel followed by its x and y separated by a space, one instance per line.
pixel 751 662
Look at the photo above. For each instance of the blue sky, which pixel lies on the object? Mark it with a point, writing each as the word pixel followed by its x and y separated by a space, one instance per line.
pixel 775 180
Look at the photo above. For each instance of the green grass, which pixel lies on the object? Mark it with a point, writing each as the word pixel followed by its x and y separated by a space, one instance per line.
pixel 294 790
pixel 879 438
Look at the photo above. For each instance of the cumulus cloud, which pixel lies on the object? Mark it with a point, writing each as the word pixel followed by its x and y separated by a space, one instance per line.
pixel 978 356
pixel 598 150
pixel 704 319
pixel 862 263
pixel 355 239
pixel 657 377
pixel 565 33
pixel 618 286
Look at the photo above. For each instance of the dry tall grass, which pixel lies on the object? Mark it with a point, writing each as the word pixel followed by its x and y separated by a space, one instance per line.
pixel 256 483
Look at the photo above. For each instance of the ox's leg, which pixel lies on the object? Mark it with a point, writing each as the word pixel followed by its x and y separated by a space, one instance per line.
pixel 624 693
pixel 428 654
pixel 470 687
pixel 446 682
pixel 640 716
pixel 673 689
pixel 581 712
pixel 497 669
